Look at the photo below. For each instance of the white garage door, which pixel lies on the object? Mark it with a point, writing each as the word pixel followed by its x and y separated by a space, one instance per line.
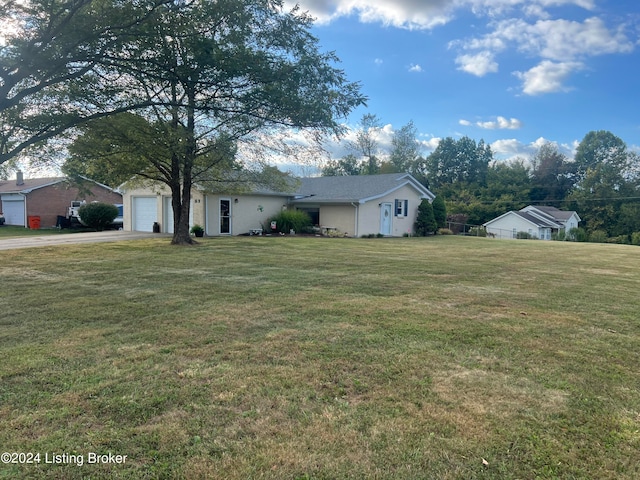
pixel 144 214
pixel 13 209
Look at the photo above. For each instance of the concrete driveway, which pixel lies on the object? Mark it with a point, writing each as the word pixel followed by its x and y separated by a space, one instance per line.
pixel 75 238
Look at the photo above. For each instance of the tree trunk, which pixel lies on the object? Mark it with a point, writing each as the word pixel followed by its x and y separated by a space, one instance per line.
pixel 180 204
pixel 181 207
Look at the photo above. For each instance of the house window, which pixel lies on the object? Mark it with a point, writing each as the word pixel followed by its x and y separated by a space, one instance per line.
pixel 402 208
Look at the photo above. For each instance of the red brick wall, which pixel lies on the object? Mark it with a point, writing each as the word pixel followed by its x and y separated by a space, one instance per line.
pixel 49 202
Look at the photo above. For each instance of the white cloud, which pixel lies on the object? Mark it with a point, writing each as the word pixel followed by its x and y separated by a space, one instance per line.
pixel 425 14
pixel 547 77
pixel 431 143
pixel 415 68
pixel 411 14
pixel 510 149
pixel 500 123
pixel 560 40
pixel 507 148
pixel 478 65
pixel 562 46
pixel 378 61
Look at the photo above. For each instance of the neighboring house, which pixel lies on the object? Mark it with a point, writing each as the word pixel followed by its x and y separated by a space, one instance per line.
pixel 354 205
pixel 537 221
pixel 46 198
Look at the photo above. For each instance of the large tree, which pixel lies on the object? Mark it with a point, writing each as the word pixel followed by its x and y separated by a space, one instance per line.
pixel 405 148
pixel 606 193
pixel 458 161
pixel 366 143
pixel 217 71
pixel 551 175
pixel 206 74
pixel 54 59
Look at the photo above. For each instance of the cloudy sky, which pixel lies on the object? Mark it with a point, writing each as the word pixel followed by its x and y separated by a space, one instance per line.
pixel 512 72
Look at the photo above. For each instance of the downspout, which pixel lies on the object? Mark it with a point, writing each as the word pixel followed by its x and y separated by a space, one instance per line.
pixel 26 224
pixel 355 227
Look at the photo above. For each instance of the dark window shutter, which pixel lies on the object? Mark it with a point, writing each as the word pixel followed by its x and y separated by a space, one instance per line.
pixel 406 207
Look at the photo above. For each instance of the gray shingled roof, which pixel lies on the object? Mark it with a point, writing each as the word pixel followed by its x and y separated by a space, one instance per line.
pixel 538 221
pixel 356 188
pixel 556 212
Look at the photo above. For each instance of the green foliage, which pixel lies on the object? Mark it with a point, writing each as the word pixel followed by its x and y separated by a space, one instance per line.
pixel 406 148
pixel 458 161
pixel 477 232
pixel 551 174
pixel 425 221
pixel 204 75
pixel 98 215
pixel 577 235
pixel 620 239
pixel 445 231
pixel 348 165
pixel 288 220
pixel 197 229
pixel 635 238
pixel 598 236
pixel 439 211
pixel 524 236
pixel 56 63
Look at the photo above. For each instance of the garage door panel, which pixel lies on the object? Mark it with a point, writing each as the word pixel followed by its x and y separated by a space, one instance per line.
pixel 13 211
pixel 145 213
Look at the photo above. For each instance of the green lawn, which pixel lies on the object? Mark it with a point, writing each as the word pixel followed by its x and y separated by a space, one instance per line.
pixel 297 358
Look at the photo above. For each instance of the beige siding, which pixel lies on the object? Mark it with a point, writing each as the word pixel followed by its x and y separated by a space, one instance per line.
pixel 369 213
pixel 161 193
pixel 340 217
pixel 247 212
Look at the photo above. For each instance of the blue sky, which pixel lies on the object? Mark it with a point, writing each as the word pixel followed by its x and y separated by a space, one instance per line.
pixel 512 72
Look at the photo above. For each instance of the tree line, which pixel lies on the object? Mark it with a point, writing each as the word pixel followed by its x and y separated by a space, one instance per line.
pixel 601 183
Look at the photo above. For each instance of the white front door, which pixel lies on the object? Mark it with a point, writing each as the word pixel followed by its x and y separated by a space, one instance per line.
pixel 386 211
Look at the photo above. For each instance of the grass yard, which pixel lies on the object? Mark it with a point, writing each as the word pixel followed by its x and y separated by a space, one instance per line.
pixel 306 358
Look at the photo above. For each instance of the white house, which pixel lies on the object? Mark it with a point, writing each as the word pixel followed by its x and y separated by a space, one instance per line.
pixel 537 221
pixel 354 205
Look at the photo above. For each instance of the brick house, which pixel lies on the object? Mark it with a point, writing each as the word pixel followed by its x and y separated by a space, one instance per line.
pixel 47 198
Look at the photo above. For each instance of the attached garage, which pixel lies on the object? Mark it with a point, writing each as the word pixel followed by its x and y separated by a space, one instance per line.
pixel 144 213
pixel 13 209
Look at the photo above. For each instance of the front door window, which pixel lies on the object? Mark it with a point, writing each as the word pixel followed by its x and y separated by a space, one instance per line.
pixel 225 216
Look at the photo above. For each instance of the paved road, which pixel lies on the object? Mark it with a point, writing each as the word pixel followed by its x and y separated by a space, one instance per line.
pixel 74 238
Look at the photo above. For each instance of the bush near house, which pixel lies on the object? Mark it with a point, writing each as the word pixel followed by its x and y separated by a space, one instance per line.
pixel 287 220
pixel 98 215
pixel 425 222
pixel 635 238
